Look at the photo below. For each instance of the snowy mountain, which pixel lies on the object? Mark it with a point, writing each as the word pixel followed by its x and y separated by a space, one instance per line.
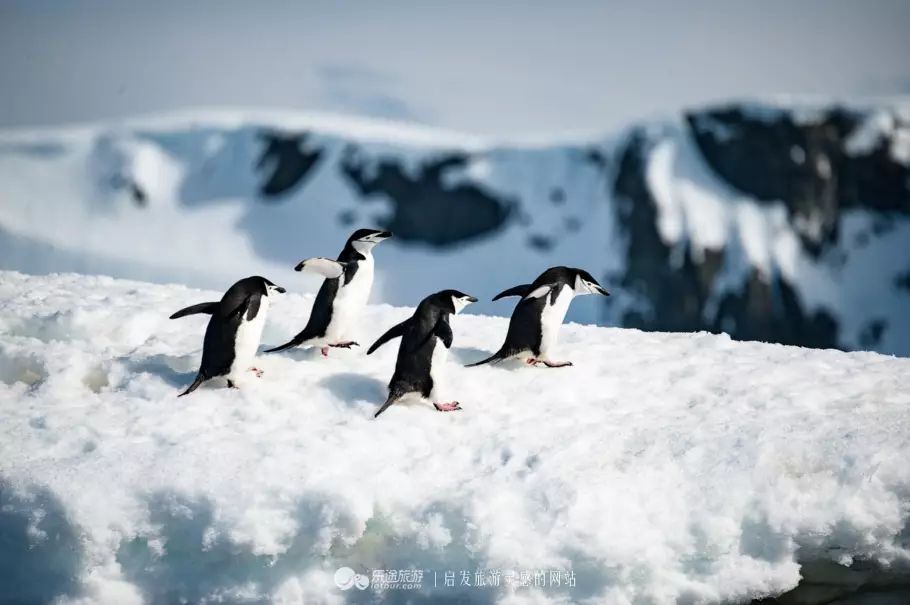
pixel 660 469
pixel 781 222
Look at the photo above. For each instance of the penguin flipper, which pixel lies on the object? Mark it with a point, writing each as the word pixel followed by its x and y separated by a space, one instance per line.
pixel 393 332
pixel 252 307
pixel 542 291
pixel 199 380
pixel 244 306
pixel 444 332
pixel 206 307
pixel 516 291
pixel 326 267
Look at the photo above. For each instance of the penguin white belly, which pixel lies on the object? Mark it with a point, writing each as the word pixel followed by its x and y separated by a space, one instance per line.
pixel 247 339
pixel 551 319
pixel 350 300
pixel 437 370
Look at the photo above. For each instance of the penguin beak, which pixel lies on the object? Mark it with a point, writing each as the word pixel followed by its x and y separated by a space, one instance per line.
pixel 376 237
pixel 601 290
pixel 280 289
pixel 471 299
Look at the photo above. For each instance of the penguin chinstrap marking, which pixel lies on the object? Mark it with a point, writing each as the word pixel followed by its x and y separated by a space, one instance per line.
pixel 342 296
pixel 426 337
pixel 234 330
pixel 535 322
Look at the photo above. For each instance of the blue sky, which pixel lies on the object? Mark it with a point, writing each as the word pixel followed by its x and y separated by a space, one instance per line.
pixel 498 68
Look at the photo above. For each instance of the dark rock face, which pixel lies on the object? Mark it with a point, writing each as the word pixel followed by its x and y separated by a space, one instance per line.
pixel 772 156
pixel 902 281
pixel 426 209
pixel 287 162
pixel 678 287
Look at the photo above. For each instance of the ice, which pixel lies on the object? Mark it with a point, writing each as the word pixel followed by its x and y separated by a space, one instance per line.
pixel 661 468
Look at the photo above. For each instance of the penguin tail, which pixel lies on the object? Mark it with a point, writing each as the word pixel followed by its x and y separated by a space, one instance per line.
pixel 392 399
pixel 296 341
pixel 495 357
pixel 199 380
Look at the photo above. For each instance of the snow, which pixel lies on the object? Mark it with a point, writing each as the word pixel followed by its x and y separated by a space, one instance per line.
pixel 204 221
pixel 661 468
pixel 65 205
pixel 886 127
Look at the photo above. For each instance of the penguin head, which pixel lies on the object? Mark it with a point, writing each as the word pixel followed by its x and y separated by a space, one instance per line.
pixel 269 288
pixel 363 240
pixel 451 301
pixel 255 284
pixel 586 284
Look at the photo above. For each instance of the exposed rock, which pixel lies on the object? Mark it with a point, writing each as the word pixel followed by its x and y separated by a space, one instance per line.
pixel 775 156
pixel 425 208
pixel 902 281
pixel 678 286
pixel 540 242
pixel 287 161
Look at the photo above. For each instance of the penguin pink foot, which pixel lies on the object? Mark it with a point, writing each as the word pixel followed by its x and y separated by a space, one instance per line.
pixel 345 345
pixel 550 364
pixel 447 407
pixel 324 351
pixel 257 371
pixel 557 364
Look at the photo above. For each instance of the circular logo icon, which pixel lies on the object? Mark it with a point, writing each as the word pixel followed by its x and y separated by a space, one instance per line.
pixel 361 581
pixel 344 578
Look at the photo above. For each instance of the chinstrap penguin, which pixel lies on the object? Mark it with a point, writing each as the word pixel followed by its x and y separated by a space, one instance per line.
pixel 425 338
pixel 534 327
pixel 234 330
pixel 342 296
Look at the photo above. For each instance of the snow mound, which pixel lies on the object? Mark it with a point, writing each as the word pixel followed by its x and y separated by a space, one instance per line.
pixel 661 468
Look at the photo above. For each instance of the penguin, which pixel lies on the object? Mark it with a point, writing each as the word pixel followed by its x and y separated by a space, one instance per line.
pixel 342 296
pixel 233 333
pixel 425 338
pixel 535 322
